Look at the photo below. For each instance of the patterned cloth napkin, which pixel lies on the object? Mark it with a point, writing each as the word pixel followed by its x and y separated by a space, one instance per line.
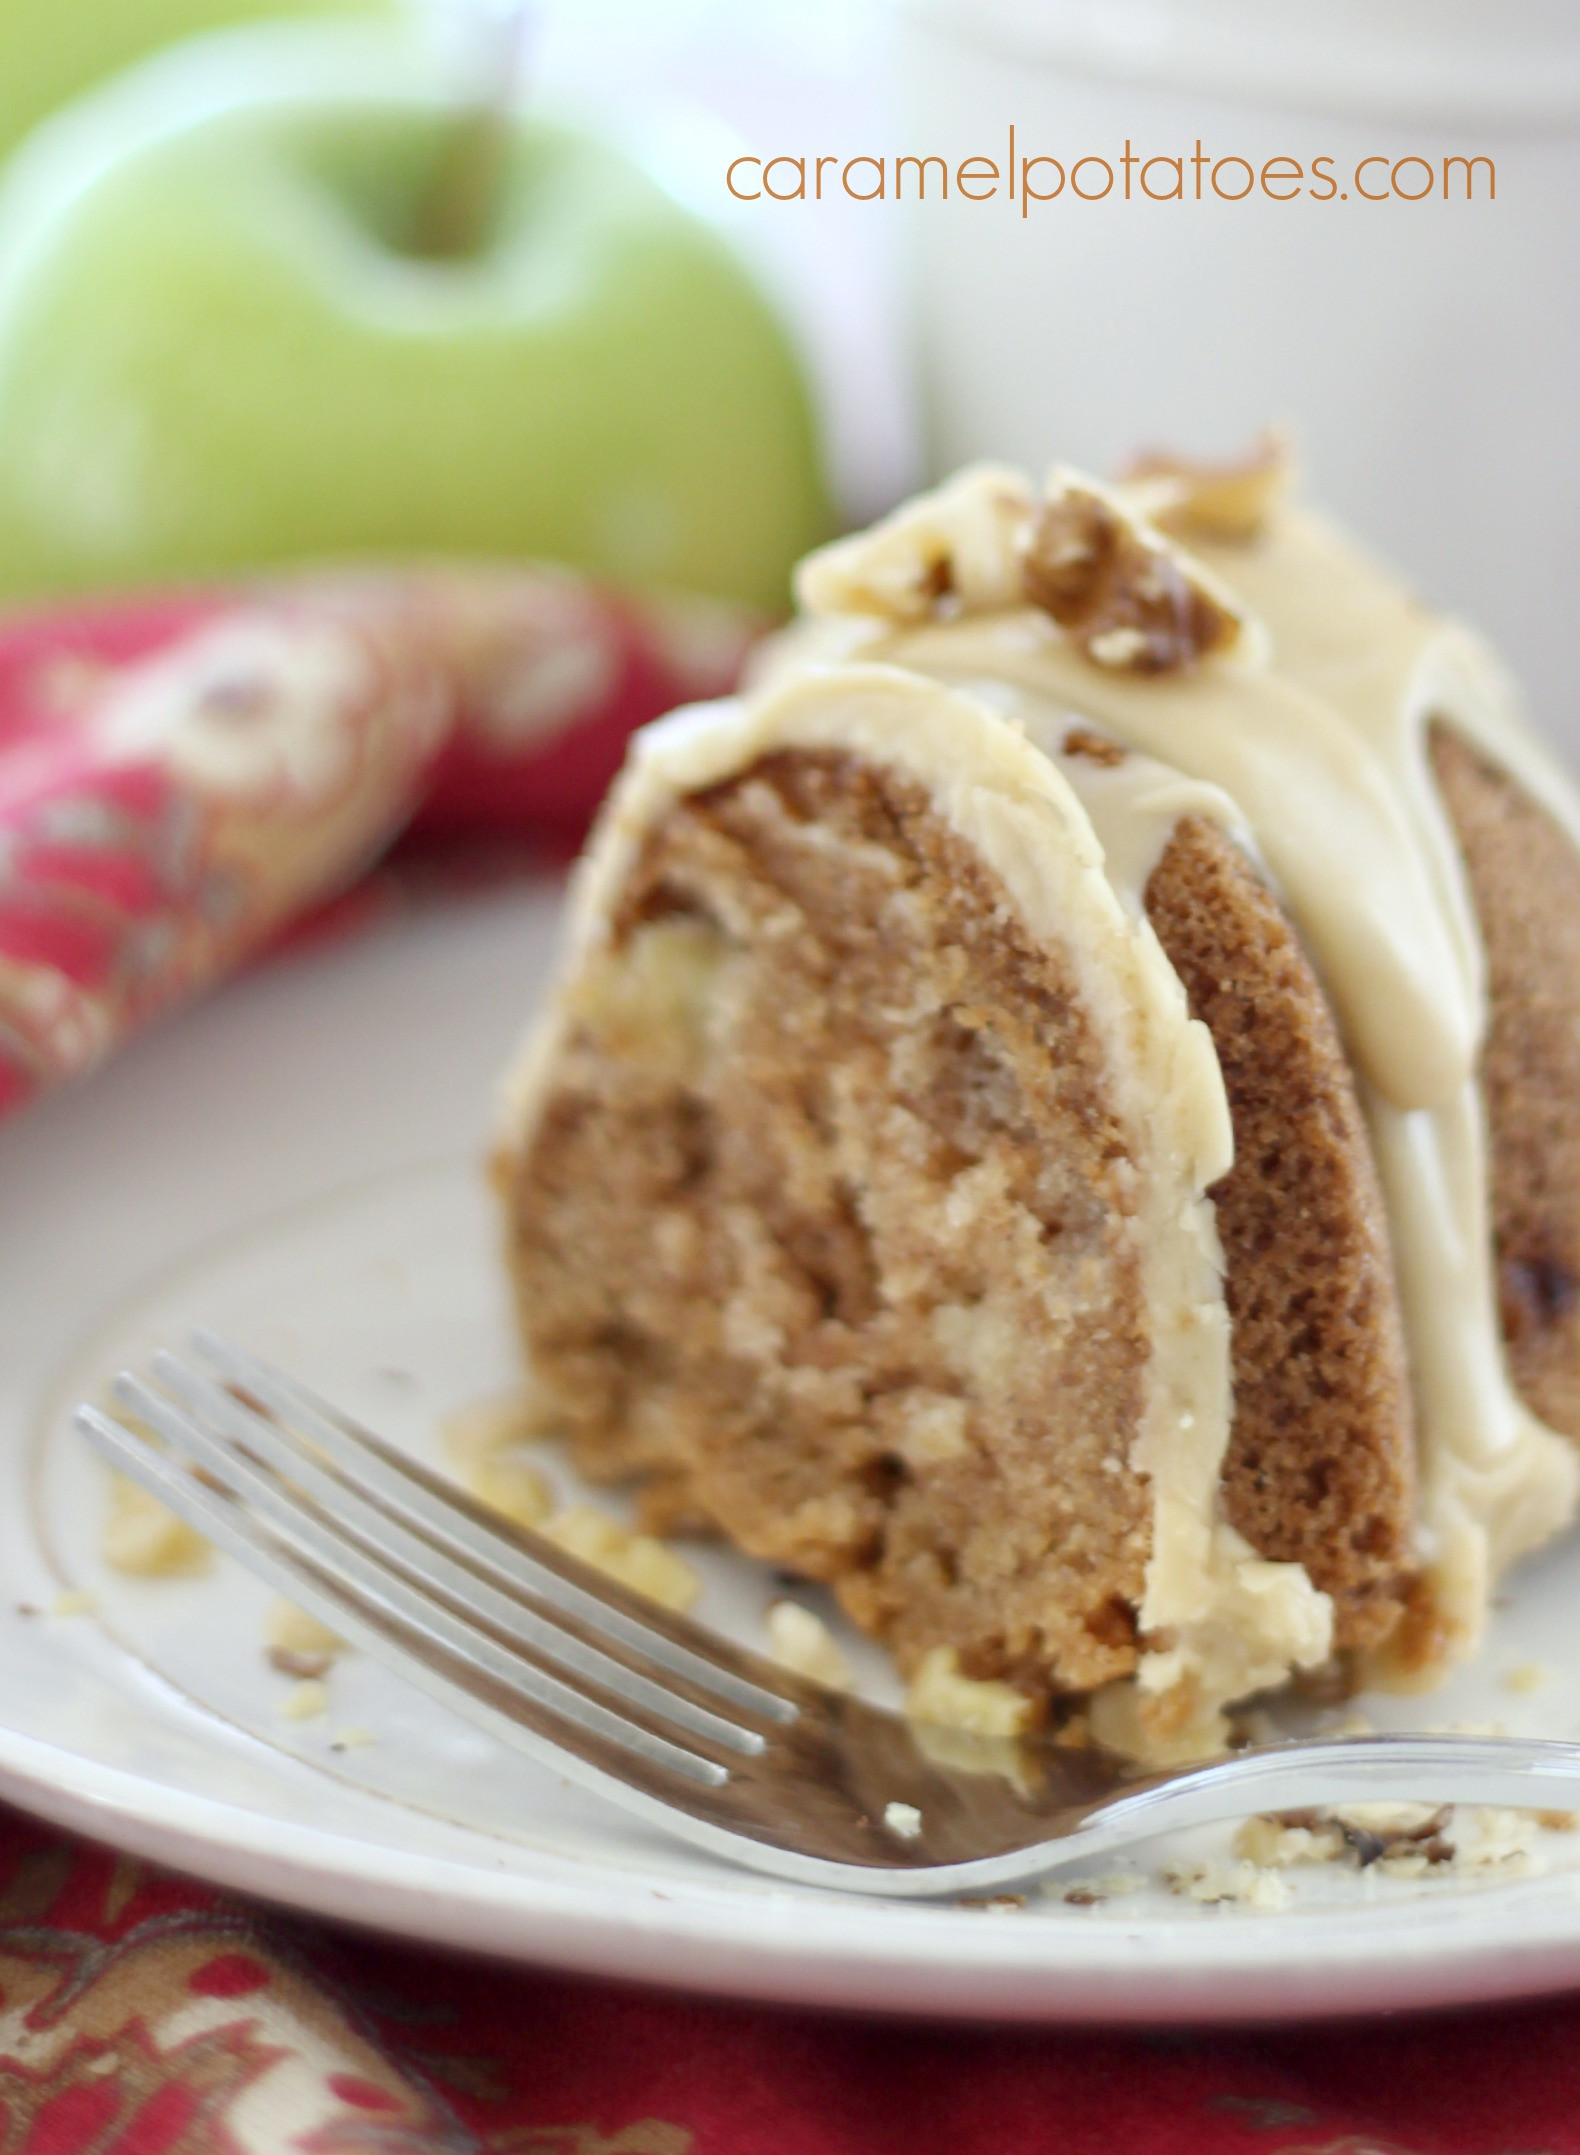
pixel 180 777
pixel 144 2015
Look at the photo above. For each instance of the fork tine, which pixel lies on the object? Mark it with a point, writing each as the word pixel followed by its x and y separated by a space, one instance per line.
pixel 511 1556
pixel 520 1620
pixel 372 1607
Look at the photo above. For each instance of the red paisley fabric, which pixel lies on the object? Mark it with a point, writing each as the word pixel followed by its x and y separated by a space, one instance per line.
pixel 143 2015
pixel 180 778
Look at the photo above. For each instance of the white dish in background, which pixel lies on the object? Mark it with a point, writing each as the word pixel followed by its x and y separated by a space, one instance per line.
pixel 297 1162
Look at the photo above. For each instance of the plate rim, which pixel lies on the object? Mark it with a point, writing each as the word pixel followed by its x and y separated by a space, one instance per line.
pixel 606 1916
pixel 593 1918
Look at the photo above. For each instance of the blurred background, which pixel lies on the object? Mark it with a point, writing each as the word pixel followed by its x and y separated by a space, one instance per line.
pixel 305 290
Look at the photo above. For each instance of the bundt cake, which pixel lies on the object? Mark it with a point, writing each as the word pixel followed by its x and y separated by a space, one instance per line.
pixel 1062 1115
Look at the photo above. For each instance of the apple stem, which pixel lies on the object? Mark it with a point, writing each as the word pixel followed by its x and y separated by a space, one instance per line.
pixel 455 207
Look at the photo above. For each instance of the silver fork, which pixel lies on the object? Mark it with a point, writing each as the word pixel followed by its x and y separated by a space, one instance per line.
pixel 667 1719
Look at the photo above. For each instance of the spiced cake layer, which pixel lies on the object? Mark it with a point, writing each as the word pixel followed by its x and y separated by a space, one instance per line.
pixel 1060 1118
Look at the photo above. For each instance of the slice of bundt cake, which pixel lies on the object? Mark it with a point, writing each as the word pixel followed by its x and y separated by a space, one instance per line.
pixel 1011 1142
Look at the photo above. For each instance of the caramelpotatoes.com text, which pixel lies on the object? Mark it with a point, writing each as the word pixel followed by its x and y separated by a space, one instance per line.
pixel 1133 176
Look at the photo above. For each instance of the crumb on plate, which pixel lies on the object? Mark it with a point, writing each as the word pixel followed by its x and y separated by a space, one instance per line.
pixel 305 1701
pixel 512 1487
pixel 1215 1885
pixel 1527 1676
pixel 903 1820
pixel 639 1561
pixel 799 1640
pixel 146 1538
pixel 298 1644
pixel 939 1693
pixel 1093 1892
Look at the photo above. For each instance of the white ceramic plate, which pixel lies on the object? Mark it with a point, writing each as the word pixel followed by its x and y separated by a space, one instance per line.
pixel 297 1162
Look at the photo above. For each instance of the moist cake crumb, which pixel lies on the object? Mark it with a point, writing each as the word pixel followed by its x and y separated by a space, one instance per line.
pixel 883 1320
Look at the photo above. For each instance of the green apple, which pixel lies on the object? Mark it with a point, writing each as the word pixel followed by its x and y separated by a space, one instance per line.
pixel 52 49
pixel 218 349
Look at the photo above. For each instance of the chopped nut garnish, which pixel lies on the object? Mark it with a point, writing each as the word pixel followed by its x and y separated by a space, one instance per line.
pixel 636 1560
pixel 938 1692
pixel 1094 747
pixel 1131 601
pixel 800 1641
pixel 146 1538
pixel 1229 502
pixel 1216 1883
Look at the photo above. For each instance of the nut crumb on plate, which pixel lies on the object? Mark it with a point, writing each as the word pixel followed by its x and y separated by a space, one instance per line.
pixel 298 1644
pixel 1093 1892
pixel 1245 1885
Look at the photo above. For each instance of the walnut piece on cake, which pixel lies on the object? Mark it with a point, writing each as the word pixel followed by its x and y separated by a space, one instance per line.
pixel 1229 503
pixel 1131 601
